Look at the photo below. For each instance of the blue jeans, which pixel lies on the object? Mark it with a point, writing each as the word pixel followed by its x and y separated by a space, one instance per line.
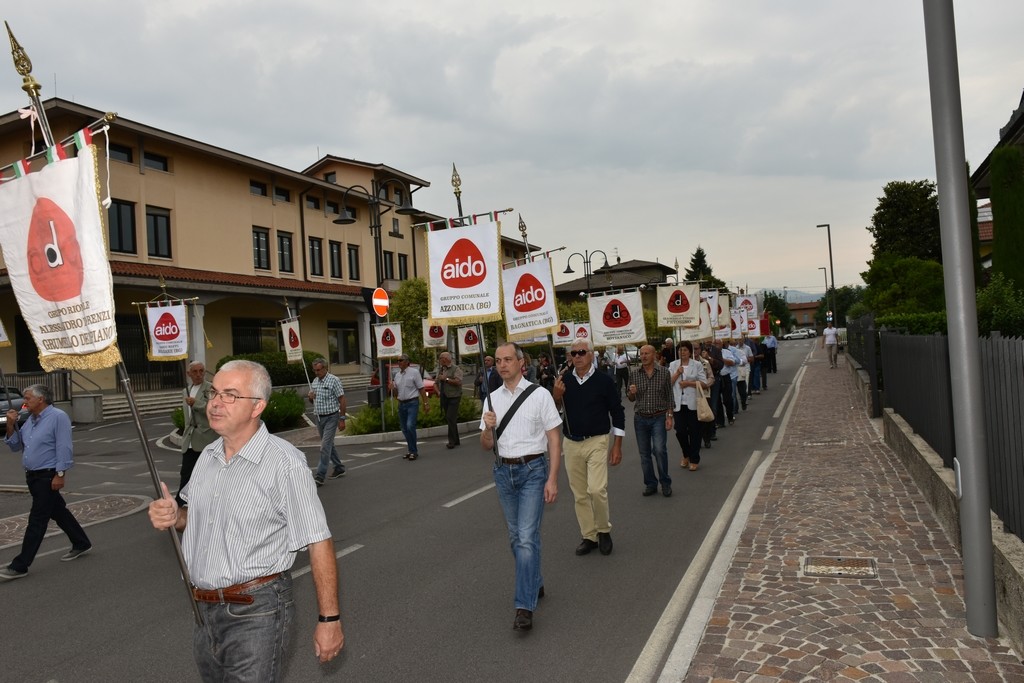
pixel 328 428
pixel 651 440
pixel 521 494
pixel 407 414
pixel 755 376
pixel 246 642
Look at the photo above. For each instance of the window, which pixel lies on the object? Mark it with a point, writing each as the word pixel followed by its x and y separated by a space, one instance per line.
pixel 331 177
pixel 342 343
pixel 332 207
pixel 396 228
pixel 284 252
pixel 156 161
pixel 335 256
pixel 353 262
pixel 253 335
pixel 398 197
pixel 316 256
pixel 121 219
pixel 312 202
pixel 257 188
pixel 261 248
pixel 282 195
pixel 403 267
pixel 158 231
pixel 389 265
pixel 121 152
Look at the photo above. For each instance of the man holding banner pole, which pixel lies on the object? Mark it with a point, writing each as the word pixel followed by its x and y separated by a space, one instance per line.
pixel 328 399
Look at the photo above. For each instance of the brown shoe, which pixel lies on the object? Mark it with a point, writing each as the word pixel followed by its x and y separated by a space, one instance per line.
pixel 684 463
pixel 693 467
pixel 523 620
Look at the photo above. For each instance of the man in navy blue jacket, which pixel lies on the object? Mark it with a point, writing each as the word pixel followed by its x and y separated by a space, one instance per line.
pixel 592 408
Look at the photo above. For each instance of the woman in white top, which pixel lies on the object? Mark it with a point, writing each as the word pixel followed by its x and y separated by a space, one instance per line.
pixel 688 377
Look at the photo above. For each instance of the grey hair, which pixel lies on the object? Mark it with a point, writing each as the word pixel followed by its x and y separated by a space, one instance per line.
pixel 585 342
pixel 41 391
pixel 259 380
pixel 320 361
pixel 195 363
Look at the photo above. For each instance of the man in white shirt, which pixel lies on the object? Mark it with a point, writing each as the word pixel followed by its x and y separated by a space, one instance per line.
pixel 830 341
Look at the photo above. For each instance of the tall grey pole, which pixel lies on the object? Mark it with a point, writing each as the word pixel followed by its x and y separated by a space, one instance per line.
pixel 958 268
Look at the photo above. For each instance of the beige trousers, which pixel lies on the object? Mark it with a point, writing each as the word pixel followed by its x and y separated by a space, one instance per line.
pixel 586 462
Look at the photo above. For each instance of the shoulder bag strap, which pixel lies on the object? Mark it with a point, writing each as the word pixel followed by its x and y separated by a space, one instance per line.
pixel 511 411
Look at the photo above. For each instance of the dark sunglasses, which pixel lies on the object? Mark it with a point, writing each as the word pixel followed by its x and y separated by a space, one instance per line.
pixel 578 353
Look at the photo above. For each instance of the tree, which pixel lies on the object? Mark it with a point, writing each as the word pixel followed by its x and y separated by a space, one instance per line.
pixel 844 297
pixel 409 306
pixel 903 285
pixel 778 309
pixel 700 270
pixel 1008 213
pixel 906 221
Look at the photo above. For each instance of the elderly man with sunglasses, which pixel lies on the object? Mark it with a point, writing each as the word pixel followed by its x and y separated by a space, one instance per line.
pixel 251 508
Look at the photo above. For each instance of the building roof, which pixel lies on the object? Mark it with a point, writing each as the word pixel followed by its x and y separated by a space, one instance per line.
pixel 1010 134
pixel 985 222
pixel 617 276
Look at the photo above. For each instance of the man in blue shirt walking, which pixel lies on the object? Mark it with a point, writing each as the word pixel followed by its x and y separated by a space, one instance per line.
pixel 45 442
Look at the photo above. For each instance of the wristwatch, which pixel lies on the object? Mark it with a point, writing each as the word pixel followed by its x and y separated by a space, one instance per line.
pixel 60 473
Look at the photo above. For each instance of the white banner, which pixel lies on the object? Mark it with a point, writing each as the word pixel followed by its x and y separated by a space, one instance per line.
pixel 51 232
pixel 168 332
pixel 565 335
pixel 469 341
pixel 434 336
pixel 678 305
pixel 529 295
pixel 617 319
pixel 723 310
pixel 389 339
pixel 737 322
pixel 581 331
pixel 292 341
pixel 702 332
pixel 465 274
pixel 4 341
pixel 711 296
pixel 747 302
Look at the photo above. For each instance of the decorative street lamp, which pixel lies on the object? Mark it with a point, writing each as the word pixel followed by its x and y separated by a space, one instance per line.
pixel 826 291
pixel 587 271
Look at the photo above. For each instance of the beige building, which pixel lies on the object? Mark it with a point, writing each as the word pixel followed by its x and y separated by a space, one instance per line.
pixel 249 241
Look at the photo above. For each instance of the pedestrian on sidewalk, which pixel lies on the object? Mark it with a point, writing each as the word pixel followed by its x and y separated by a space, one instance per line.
pixel 45 443
pixel 650 387
pixel 448 379
pixel 592 408
pixel 771 346
pixel 197 433
pixel 328 399
pixel 688 377
pixel 519 424
pixel 407 387
pixel 830 341
pixel 251 508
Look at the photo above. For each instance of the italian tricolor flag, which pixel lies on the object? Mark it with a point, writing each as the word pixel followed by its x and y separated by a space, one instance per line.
pixel 56 153
pixel 83 138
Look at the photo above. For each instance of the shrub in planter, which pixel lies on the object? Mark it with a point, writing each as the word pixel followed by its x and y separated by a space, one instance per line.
pixel 282 373
pixel 367 420
pixel 178 418
pixel 284 411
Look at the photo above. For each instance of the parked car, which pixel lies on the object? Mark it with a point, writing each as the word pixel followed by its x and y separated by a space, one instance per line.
pixel 17 402
pixel 797 334
pixel 811 332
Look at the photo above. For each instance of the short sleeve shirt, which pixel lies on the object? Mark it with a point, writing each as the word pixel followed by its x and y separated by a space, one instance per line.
pixel 526 432
pixel 328 391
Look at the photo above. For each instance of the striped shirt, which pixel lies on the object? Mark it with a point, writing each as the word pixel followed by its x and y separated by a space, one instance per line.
pixel 248 517
pixel 526 433
pixel 328 391
pixel 654 392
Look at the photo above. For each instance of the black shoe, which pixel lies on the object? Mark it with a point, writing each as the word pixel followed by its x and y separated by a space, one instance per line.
pixel 707 443
pixel 585 546
pixel 604 540
pixel 523 620
pixel 714 438
pixel 450 445
pixel 650 492
pixel 540 593
pixel 338 472
pixel 74 554
pixel 666 491
pixel 319 481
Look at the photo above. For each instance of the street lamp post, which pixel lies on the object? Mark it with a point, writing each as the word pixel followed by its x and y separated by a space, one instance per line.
pixel 826 290
pixel 347 217
pixel 832 269
pixel 587 271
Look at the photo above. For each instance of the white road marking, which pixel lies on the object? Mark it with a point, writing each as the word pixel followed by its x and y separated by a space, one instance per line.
pixel 340 554
pixel 453 503
pixel 767 433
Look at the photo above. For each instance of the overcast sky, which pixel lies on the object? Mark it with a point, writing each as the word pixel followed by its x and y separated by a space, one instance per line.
pixel 640 129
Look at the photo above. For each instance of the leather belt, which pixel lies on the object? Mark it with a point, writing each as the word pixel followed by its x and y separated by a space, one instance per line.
pixel 328 414
pixel 521 461
pixel 655 414
pixel 408 400
pixel 41 473
pixel 233 594
pixel 573 437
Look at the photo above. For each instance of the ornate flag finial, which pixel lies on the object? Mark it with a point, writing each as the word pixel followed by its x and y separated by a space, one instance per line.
pixel 456 181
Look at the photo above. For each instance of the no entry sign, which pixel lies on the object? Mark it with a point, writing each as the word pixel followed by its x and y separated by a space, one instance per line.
pixel 381 301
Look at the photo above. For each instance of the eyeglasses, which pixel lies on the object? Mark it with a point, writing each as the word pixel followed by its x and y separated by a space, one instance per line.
pixel 226 396
pixel 578 353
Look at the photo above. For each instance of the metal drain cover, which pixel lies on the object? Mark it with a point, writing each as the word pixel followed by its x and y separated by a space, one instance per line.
pixel 814 444
pixel 848 567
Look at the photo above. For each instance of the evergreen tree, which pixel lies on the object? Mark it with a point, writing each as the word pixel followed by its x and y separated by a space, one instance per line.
pixel 906 221
pixel 700 270
pixel 778 309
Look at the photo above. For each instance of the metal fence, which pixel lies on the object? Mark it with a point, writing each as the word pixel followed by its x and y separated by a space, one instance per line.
pixel 917 386
pixel 862 345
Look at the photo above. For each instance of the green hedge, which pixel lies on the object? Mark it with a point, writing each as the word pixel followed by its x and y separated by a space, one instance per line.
pixel 914 323
pixel 367 420
pixel 282 373
pixel 284 411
